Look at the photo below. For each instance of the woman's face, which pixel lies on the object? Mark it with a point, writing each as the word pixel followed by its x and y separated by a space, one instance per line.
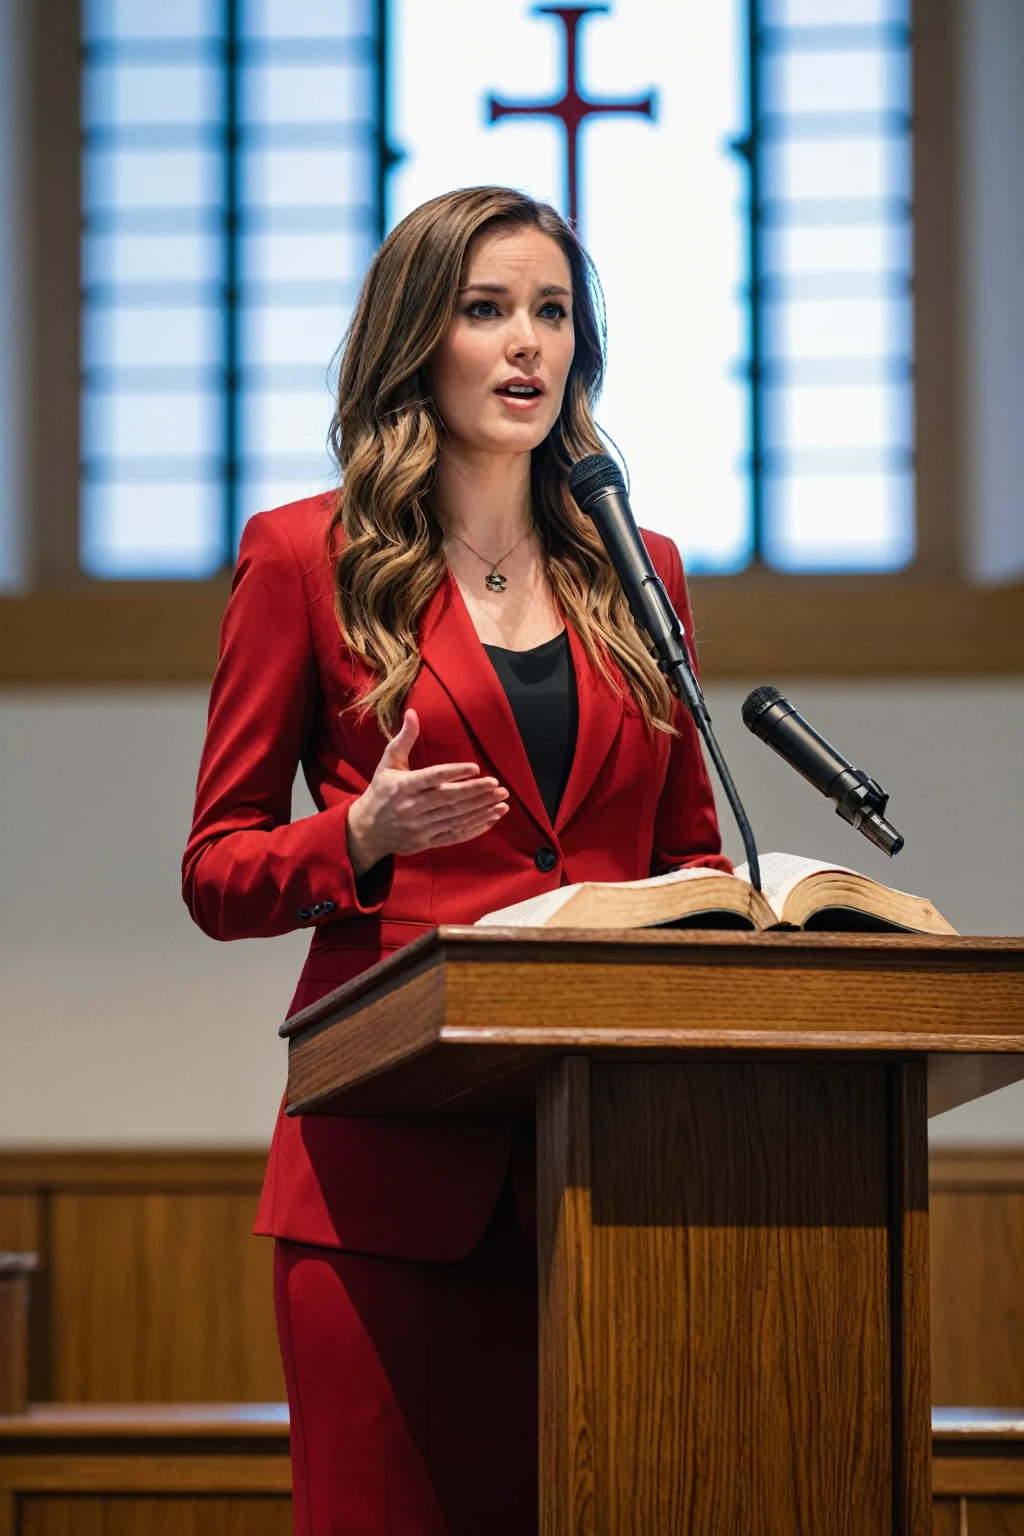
pixel 499 374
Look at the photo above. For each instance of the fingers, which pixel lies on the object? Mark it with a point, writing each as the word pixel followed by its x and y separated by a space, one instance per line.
pixel 466 828
pixel 454 800
pixel 396 753
pixel 444 773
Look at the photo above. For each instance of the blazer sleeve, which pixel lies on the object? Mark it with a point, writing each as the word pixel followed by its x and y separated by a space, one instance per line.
pixel 686 822
pixel 249 871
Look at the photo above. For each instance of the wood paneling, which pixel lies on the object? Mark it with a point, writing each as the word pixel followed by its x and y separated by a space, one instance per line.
pixel 190 1291
pixel 765 623
pixel 977 1247
pixel 724 1346
pixel 153 1287
pixel 75 1515
pixel 166 1236
pixel 979 1473
pixel 218 1471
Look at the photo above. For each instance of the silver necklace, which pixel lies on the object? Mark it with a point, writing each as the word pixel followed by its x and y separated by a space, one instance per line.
pixel 494 581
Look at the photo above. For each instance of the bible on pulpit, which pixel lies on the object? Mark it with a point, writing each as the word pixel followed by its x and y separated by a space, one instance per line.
pixel 795 893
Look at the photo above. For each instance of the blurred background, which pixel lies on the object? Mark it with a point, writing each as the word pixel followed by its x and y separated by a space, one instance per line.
pixel 807 216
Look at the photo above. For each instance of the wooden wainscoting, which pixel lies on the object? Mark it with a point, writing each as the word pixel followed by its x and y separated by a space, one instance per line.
pixel 153 1289
pixel 143 1470
pixel 977 1260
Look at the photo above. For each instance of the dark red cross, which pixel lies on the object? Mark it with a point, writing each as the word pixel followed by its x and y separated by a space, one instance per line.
pixel 571 107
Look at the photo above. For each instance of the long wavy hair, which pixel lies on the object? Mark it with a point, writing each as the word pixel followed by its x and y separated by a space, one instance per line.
pixel 386 434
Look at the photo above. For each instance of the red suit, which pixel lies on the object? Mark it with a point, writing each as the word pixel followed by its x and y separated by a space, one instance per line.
pixel 636 803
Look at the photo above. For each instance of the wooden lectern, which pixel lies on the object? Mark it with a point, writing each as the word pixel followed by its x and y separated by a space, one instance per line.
pixel 733 1195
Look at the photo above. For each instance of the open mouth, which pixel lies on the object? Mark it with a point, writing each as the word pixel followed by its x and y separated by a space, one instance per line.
pixel 520 397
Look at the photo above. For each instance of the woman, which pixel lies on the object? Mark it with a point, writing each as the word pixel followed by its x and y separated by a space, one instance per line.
pixel 444 647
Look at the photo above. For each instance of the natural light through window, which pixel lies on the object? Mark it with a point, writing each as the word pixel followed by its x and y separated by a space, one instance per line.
pixel 742 180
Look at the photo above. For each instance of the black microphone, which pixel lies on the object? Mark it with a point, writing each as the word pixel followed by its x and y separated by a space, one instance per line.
pixel 599 491
pixel 858 799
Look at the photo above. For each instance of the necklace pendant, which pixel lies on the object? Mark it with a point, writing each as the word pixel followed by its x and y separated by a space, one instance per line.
pixel 495 582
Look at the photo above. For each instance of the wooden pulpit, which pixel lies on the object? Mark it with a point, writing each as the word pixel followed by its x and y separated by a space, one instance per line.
pixel 732 1188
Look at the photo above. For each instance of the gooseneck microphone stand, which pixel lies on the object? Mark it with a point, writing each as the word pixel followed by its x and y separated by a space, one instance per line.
pixel 599 490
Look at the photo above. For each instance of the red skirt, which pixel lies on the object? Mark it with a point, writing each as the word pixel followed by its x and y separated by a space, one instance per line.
pixel 412 1388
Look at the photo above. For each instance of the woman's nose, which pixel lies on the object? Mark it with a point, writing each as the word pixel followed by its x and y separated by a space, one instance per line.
pixel 524 342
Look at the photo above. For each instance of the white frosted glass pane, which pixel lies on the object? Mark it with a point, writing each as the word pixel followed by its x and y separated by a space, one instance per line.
pixel 308 93
pixel 146 94
pixel 870 248
pixel 832 13
pixel 833 328
pixel 151 18
pixel 283 335
pixel 859 522
pixel 151 258
pixel 286 422
pixel 307 177
pixel 151 425
pixel 339 258
pixel 313 18
pixel 128 178
pixel 152 338
pixel 151 530
pixel 671 261
pixel 836 168
pixel 264 494
pixel 860 416
pixel 847 80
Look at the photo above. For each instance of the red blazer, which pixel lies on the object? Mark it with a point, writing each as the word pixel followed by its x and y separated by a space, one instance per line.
pixel 636 803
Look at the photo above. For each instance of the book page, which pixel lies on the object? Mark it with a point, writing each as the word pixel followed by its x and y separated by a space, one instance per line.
pixel 673 877
pixel 535 911
pixel 531 913
pixel 782 873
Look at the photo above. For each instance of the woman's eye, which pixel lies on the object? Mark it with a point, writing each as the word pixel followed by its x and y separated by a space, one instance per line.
pixel 483 309
pixel 553 311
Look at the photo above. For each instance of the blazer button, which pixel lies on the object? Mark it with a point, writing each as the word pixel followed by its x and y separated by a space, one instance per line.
pixel 545 859
pixel 303 914
pixel 316 910
pixel 328 906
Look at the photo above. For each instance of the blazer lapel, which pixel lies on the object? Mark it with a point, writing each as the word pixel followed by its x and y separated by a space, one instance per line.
pixel 451 648
pixel 600 715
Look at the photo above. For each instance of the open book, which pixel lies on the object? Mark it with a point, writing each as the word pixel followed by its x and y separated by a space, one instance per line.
pixel 795 893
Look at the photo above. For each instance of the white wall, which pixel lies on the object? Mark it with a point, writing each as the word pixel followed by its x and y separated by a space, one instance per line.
pixel 991 91
pixel 122 1023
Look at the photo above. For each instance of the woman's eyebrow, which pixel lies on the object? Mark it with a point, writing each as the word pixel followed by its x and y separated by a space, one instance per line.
pixel 544 292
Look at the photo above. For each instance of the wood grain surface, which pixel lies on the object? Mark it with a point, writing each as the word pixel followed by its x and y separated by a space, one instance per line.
pixel 170 1247
pixel 501 1002
pixel 977 1236
pixel 208 1469
pixel 146 1421
pixel 75 1515
pixel 13 1341
pixel 910 1299
pixel 720 1334
pixel 565 1284
pixel 152 1286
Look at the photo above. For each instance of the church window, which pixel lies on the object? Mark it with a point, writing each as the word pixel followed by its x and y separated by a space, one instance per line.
pixel 739 171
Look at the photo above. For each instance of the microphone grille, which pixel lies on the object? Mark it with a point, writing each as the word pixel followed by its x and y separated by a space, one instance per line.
pixel 757 702
pixel 597 472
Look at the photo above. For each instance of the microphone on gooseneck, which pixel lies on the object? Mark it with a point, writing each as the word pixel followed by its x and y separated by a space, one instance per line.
pixel 858 799
pixel 599 491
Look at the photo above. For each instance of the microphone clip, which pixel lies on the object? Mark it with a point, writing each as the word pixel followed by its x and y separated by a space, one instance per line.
pixel 861 801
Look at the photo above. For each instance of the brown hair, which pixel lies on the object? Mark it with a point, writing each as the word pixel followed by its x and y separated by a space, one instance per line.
pixel 385 436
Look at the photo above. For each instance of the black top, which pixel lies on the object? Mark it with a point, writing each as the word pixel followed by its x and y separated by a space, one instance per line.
pixel 541 689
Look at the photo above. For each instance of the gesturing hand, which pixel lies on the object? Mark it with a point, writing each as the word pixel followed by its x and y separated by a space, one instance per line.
pixel 404 810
